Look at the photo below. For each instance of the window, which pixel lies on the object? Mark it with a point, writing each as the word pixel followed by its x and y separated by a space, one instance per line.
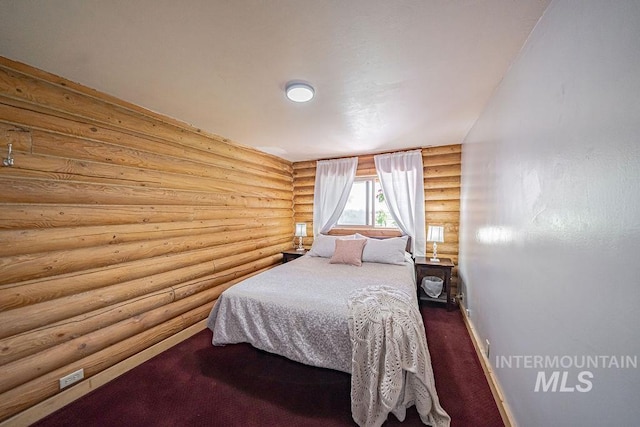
pixel 366 206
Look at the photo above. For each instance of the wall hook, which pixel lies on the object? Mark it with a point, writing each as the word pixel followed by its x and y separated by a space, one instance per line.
pixel 8 161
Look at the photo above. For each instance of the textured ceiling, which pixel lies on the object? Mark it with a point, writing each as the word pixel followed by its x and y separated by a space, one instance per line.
pixel 388 74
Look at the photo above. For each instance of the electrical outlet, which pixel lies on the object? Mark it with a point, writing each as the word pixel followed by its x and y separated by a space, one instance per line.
pixel 487 347
pixel 73 377
pixel 468 312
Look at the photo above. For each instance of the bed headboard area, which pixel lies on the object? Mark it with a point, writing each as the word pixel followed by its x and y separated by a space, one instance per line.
pixel 373 233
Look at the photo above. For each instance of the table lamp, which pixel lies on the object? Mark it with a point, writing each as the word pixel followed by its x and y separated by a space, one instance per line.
pixel 301 231
pixel 435 234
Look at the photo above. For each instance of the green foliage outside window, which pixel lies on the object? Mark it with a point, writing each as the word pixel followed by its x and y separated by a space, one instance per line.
pixel 381 216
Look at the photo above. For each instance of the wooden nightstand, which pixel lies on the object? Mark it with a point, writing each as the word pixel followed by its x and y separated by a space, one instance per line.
pixel 291 255
pixel 425 267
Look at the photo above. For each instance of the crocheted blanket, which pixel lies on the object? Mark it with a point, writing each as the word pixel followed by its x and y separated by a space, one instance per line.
pixel 391 365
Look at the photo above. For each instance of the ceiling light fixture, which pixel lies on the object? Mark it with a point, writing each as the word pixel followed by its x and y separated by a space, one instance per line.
pixel 299 92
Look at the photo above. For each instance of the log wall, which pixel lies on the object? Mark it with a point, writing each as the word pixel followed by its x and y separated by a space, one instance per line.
pixel 118 229
pixel 442 169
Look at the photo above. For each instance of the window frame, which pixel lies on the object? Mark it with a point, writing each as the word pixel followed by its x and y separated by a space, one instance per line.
pixel 370 207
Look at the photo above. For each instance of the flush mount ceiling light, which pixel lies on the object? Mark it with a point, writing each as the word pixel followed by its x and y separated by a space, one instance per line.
pixel 299 92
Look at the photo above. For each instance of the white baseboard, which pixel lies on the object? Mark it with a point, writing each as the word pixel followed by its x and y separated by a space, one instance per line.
pixel 52 404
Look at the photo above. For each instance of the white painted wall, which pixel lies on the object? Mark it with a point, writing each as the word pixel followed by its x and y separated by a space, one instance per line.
pixel 550 225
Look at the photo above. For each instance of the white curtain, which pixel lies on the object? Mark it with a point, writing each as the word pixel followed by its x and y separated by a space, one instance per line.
pixel 401 179
pixel 334 179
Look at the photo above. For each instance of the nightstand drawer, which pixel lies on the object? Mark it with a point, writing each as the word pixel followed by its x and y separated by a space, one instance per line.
pixel 291 255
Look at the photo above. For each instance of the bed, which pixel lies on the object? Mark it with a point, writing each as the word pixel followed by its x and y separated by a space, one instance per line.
pixel 305 310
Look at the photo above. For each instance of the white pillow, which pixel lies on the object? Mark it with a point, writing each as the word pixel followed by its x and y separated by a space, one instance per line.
pixel 324 245
pixel 385 251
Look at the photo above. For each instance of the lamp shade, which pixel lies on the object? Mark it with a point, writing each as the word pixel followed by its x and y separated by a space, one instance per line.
pixel 301 229
pixel 435 233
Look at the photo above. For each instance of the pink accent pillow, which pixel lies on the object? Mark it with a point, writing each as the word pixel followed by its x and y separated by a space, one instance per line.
pixel 348 252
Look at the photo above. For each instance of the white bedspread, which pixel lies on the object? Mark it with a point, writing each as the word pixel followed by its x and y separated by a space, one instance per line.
pixel 391 362
pixel 300 309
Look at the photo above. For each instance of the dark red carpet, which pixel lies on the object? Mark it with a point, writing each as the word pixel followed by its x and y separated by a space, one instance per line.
pixel 196 384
